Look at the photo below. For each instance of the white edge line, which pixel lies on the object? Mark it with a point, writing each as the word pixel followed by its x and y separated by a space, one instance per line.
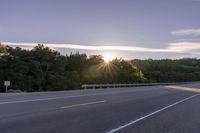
pixel 151 114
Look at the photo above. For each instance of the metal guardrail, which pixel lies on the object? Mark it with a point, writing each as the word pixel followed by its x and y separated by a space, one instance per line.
pixel 95 86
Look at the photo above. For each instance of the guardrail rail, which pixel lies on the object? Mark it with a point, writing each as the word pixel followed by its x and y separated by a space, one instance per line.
pixel 95 86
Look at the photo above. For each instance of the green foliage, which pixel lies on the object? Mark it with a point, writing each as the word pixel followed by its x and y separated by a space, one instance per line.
pixel 43 69
pixel 182 70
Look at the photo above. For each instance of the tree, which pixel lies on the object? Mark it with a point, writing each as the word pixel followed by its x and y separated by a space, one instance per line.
pixel 44 69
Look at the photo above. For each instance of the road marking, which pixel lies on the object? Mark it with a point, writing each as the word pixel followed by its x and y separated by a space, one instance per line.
pixel 83 104
pixel 74 96
pixel 151 114
pixel 42 110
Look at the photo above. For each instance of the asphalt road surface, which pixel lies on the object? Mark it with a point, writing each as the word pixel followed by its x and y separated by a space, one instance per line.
pixel 153 109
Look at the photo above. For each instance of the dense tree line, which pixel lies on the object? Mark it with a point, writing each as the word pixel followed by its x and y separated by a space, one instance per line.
pixel 43 69
pixel 181 70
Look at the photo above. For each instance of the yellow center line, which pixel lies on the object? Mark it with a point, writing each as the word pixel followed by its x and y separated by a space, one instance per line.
pixel 83 104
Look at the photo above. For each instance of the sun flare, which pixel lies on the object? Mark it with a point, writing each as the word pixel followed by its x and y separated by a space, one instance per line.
pixel 107 58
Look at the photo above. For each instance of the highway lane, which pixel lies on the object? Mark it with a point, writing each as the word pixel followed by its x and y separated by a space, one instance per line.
pixel 93 111
pixel 183 118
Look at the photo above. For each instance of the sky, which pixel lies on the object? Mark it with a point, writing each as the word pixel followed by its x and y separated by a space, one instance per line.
pixel 129 29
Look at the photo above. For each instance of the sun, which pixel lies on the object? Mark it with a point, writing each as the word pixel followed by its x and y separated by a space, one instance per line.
pixel 107 58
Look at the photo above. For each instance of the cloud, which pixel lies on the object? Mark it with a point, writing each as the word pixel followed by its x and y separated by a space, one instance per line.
pixel 175 47
pixel 193 32
pixel 184 46
pixel 89 47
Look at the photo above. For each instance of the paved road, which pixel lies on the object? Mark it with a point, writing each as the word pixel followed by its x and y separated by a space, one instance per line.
pixel 155 109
